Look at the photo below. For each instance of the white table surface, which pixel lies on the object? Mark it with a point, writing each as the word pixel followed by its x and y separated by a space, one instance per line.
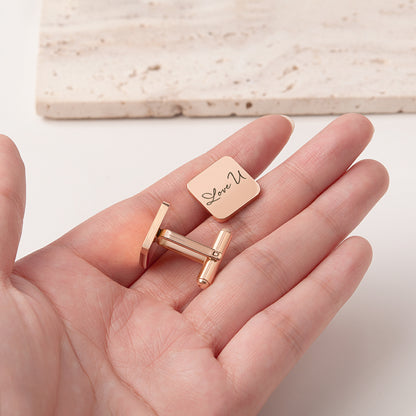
pixel 365 362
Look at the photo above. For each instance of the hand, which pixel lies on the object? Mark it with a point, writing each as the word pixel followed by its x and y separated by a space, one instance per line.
pixel 84 330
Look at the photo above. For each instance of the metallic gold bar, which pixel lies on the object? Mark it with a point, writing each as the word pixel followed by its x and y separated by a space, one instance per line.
pixel 182 250
pixel 179 242
pixel 210 266
pixel 187 243
pixel 183 245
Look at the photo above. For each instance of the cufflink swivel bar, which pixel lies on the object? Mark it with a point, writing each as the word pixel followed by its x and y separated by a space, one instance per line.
pixel 210 257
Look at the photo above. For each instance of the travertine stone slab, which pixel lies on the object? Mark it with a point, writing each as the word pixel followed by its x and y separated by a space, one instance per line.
pixel 135 58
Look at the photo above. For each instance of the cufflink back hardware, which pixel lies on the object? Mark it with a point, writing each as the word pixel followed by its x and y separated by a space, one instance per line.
pixel 210 257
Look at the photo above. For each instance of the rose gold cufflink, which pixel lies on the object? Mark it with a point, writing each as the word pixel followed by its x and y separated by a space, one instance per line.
pixel 224 188
pixel 210 257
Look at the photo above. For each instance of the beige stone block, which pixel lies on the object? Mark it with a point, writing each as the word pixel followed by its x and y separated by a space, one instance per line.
pixel 135 58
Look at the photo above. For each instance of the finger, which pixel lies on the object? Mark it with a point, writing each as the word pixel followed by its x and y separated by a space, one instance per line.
pixel 111 240
pixel 285 191
pixel 272 341
pixel 270 268
pixel 12 204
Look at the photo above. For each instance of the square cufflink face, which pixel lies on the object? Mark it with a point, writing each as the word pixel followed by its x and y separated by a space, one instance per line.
pixel 224 188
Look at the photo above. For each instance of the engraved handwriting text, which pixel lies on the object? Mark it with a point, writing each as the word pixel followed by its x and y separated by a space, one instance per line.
pixel 216 194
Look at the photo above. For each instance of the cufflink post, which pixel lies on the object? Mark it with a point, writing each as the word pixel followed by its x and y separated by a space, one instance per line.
pixel 210 257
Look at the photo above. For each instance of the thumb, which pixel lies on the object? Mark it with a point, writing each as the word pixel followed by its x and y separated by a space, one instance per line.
pixel 12 204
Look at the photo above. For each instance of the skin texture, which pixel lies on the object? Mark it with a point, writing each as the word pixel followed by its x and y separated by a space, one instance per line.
pixel 86 331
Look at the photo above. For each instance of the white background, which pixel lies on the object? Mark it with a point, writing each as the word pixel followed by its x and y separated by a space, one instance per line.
pixel 365 362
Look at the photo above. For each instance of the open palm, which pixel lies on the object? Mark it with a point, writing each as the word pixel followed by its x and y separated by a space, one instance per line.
pixel 84 330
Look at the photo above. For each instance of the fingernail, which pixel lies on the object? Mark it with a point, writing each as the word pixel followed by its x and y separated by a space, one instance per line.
pixel 290 120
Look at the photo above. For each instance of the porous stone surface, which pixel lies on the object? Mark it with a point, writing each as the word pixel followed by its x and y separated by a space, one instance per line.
pixel 135 58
